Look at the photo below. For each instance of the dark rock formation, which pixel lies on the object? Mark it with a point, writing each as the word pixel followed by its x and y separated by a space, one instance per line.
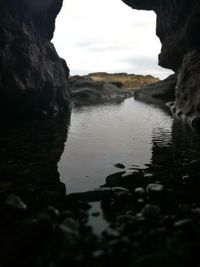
pixel 158 93
pixel 33 78
pixel 177 27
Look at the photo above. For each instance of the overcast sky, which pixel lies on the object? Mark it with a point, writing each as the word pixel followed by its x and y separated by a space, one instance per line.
pixel 107 35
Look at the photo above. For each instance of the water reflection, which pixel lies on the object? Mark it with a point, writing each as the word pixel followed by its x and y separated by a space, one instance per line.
pixel 103 135
pixel 29 152
pixel 170 149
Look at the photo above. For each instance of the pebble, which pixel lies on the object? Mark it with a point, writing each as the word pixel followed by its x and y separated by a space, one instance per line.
pixel 114 179
pixel 53 212
pixel 148 175
pixel 139 191
pixel 183 223
pixel 15 202
pixel 119 189
pixel 151 211
pixel 130 173
pixel 140 201
pixel 119 165
pixel 154 188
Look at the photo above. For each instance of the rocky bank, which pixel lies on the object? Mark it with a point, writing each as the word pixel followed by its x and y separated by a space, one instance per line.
pixel 33 78
pixel 103 87
pixel 160 93
pixel 177 27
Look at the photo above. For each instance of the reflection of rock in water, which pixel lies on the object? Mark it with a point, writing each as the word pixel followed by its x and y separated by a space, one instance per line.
pixel 185 141
pixel 29 152
pixel 173 153
pixel 180 146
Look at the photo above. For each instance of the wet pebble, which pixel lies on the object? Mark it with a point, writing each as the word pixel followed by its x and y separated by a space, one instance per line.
pixel 183 223
pixel 151 211
pixel 114 179
pixel 130 173
pixel 140 192
pixel 148 175
pixel 119 166
pixel 155 190
pixel 140 201
pixel 53 212
pixel 119 189
pixel 15 202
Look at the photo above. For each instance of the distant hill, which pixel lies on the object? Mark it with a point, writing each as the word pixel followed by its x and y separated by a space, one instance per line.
pixel 130 81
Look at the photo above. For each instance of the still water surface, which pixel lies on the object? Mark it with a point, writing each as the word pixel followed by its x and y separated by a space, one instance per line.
pixel 103 135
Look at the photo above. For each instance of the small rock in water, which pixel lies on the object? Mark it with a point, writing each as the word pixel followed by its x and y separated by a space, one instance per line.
pixel 130 173
pixel 53 212
pixel 154 188
pixel 15 202
pixel 151 211
pixel 183 223
pixel 119 189
pixel 114 179
pixel 139 191
pixel 148 175
pixel 186 177
pixel 119 165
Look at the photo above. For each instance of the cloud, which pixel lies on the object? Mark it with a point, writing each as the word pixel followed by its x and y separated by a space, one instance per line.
pixel 104 35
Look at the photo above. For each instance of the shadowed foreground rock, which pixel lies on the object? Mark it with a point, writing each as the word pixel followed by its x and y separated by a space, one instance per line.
pixel 178 25
pixel 152 215
pixel 33 78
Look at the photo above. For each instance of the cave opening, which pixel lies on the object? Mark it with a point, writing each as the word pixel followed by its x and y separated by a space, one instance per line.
pixel 102 36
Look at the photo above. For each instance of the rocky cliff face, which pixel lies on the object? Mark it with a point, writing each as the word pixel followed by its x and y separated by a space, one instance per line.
pixel 177 27
pixel 33 78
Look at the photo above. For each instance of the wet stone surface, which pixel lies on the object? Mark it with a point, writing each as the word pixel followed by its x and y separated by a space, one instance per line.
pixel 151 225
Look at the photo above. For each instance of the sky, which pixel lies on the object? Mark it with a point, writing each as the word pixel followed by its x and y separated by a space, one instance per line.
pixel 108 36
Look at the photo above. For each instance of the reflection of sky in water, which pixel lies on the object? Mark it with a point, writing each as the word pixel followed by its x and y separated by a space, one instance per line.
pixel 103 135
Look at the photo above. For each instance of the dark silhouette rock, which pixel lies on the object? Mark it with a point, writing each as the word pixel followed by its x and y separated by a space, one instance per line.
pixel 33 78
pixel 160 92
pixel 177 27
